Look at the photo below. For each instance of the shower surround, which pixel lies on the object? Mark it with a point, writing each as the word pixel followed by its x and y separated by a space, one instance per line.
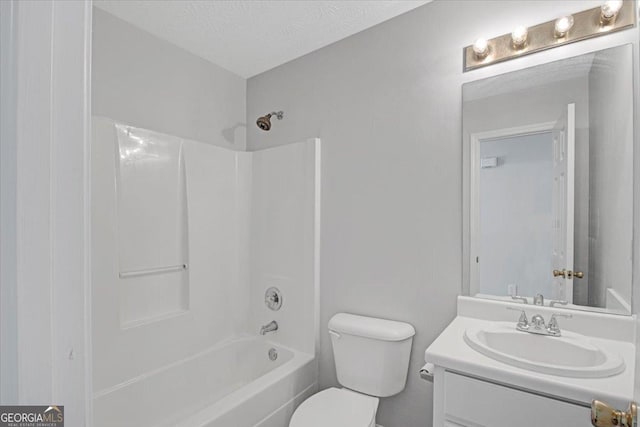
pixel 187 237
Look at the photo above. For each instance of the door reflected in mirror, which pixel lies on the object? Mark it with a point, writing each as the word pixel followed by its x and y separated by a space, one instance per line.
pixel 548 175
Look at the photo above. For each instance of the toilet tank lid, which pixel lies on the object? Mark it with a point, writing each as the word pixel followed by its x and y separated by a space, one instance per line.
pixel 371 327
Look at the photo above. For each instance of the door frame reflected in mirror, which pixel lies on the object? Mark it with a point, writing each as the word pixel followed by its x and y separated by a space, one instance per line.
pixel 475 140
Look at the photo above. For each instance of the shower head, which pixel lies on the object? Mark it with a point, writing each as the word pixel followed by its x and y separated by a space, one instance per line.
pixel 264 122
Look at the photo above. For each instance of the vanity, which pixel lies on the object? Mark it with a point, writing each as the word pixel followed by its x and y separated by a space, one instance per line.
pixel 545 333
pixel 544 325
pixel 527 379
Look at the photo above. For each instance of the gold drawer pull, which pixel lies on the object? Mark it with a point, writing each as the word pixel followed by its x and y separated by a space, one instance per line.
pixel 603 415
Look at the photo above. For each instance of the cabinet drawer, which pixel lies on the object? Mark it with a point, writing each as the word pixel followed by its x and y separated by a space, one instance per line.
pixel 475 403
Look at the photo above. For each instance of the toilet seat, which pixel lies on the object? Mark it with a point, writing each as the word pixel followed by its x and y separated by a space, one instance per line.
pixel 336 407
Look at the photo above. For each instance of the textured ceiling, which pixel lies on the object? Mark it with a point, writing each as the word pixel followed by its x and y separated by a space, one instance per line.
pixel 249 37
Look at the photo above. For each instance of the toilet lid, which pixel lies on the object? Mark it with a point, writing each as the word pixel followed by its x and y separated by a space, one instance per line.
pixel 336 408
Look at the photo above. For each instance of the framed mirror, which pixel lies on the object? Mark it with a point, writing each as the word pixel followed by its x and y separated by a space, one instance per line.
pixel 548 183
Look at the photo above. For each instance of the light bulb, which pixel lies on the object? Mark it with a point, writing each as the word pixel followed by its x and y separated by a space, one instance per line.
pixel 519 36
pixel 563 25
pixel 609 11
pixel 481 48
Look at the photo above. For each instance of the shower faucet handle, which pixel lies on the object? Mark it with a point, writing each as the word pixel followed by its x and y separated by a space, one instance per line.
pixel 273 298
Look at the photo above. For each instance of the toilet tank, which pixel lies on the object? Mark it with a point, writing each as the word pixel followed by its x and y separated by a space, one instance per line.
pixel 371 355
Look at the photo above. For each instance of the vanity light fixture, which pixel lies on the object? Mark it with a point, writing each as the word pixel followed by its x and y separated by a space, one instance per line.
pixel 481 48
pixel 611 16
pixel 609 11
pixel 519 37
pixel 563 25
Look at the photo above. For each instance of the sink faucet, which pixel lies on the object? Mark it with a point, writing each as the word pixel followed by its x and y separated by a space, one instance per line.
pixel 537 324
pixel 538 299
pixel 269 327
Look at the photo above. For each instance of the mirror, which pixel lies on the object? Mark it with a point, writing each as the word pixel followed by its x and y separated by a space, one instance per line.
pixel 548 183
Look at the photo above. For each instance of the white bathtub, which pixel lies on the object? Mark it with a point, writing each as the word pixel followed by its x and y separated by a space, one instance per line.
pixel 234 384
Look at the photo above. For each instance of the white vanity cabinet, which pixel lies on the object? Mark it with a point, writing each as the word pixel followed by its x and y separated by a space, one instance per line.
pixel 472 402
pixel 473 388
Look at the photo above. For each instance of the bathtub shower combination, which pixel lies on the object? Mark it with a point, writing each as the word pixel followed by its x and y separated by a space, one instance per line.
pixel 199 253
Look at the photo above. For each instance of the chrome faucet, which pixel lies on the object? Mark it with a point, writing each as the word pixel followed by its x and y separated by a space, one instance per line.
pixel 269 327
pixel 537 324
pixel 538 299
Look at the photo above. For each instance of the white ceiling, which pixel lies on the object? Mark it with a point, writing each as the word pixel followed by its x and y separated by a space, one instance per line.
pixel 249 37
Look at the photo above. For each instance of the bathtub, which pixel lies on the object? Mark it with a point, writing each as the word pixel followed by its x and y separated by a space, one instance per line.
pixel 234 384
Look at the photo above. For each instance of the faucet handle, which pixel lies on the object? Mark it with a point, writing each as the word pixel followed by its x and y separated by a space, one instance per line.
pixel 519 298
pixel 522 321
pixel 553 302
pixel 565 315
pixel 553 326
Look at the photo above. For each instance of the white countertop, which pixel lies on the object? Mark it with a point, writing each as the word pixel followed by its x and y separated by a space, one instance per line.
pixel 451 352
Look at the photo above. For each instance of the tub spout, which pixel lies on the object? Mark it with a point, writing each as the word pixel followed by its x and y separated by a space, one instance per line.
pixel 269 327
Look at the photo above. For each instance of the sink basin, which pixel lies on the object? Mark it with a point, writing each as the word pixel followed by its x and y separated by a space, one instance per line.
pixel 570 355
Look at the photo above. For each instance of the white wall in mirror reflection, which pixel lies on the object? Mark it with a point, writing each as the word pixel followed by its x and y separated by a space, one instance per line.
pixel 515 215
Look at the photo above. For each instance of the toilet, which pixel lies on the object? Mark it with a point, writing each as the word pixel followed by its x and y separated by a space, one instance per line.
pixel 372 360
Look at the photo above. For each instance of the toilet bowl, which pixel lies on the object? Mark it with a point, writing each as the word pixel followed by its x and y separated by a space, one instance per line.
pixel 372 358
pixel 336 407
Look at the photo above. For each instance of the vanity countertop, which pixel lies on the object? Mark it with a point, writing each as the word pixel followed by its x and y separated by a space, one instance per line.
pixel 450 351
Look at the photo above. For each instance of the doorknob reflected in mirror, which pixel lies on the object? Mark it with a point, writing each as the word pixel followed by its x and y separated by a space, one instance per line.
pixel 603 415
pixel 568 274
pixel 562 273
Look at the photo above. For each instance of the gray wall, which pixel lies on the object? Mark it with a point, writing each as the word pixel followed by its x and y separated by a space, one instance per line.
pixel 144 81
pixel 387 104
pixel 516 240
